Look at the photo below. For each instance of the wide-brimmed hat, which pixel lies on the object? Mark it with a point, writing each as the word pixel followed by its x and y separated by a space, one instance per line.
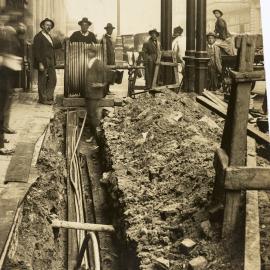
pixel 218 10
pixel 47 20
pixel 153 31
pixel 177 30
pixel 109 26
pixel 211 34
pixel 84 20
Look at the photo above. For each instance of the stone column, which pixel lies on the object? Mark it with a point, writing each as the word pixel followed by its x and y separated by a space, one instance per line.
pixel 119 50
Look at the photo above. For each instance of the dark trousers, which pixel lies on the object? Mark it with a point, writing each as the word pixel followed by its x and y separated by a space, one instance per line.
pixel 4 98
pixel 94 114
pixel 149 73
pixel 46 84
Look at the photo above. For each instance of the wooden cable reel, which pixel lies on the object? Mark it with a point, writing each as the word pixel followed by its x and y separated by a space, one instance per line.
pixel 76 60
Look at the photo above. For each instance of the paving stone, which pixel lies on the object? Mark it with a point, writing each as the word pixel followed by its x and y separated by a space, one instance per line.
pixel 199 263
pixel 187 245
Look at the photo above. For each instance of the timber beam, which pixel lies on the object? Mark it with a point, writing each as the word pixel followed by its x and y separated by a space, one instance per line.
pixel 240 177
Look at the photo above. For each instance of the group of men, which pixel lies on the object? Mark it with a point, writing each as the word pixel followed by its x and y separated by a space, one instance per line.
pixel 218 42
pixel 44 54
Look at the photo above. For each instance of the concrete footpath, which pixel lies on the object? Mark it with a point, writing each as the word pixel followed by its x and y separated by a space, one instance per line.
pixel 17 172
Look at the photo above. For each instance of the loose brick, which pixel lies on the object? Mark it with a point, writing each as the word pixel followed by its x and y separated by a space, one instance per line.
pixel 187 245
pixel 198 263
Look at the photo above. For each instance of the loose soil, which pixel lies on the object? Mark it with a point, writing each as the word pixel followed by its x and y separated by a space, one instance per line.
pixel 36 246
pixel 159 152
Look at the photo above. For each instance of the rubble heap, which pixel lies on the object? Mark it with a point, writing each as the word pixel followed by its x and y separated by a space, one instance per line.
pixel 159 151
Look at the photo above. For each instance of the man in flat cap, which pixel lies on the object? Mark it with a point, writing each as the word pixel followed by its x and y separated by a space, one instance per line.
pixel 177 48
pixel 214 65
pixel 44 61
pixel 221 30
pixel 150 52
pixel 84 35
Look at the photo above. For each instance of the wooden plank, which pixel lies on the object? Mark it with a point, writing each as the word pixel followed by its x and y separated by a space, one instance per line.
pixel 93 227
pixel 252 131
pixel 221 162
pixel 252 76
pixel 20 164
pixel 236 147
pixel 252 259
pixel 11 198
pixel 167 64
pixel 80 102
pixel 247 178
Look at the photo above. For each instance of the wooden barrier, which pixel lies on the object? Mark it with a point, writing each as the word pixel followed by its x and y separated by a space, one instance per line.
pixel 232 174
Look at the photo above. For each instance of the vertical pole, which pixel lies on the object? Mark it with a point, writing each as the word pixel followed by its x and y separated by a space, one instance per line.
pixel 166 36
pixel 118 18
pixel 189 58
pixel 201 57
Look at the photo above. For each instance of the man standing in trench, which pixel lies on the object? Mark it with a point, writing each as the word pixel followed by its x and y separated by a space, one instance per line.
pixel 96 83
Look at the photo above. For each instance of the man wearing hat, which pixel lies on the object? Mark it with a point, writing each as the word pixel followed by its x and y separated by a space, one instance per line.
pixel 222 33
pixel 150 51
pixel 44 61
pixel 214 65
pixel 84 35
pixel 177 48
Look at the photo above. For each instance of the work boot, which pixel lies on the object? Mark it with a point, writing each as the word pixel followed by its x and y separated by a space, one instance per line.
pixel 6 152
pixel 8 130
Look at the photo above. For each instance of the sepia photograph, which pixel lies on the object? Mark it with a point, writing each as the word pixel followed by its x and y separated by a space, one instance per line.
pixel 134 135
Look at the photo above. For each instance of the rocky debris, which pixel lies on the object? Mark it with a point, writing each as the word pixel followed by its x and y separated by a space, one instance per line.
pixel 199 263
pixel 187 245
pixel 161 264
pixel 207 229
pixel 162 186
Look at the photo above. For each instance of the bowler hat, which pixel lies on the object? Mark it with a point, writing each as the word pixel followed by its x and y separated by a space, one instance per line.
pixel 177 30
pixel 211 34
pixel 218 10
pixel 47 20
pixel 84 20
pixel 153 31
pixel 109 26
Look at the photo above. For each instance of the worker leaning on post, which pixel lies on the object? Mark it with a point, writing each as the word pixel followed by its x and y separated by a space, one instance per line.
pixel 215 63
pixel 96 83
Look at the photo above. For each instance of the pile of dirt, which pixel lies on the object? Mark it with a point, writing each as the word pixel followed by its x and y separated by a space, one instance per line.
pixel 160 151
pixel 36 245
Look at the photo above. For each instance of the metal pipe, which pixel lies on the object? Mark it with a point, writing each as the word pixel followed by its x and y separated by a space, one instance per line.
pixel 190 45
pixel 166 37
pixel 201 56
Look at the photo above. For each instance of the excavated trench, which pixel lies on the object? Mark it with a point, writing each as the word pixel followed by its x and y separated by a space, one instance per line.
pixel 151 178
pixel 36 245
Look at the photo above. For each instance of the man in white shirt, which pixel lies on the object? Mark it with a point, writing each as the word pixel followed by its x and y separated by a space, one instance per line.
pixel 176 47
